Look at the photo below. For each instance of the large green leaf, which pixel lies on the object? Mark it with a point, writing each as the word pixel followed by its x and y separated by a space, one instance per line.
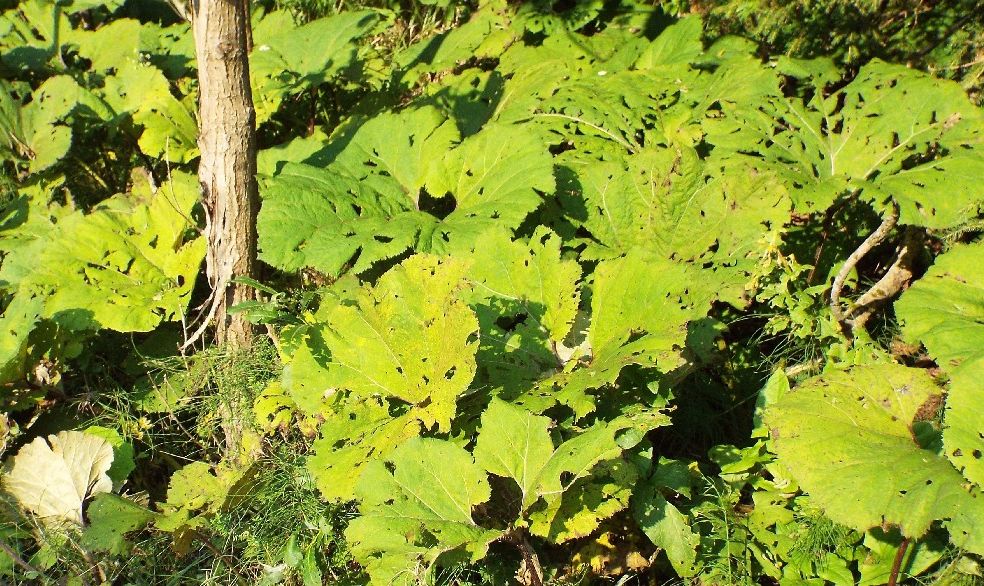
pixel 679 43
pixel 409 338
pixel 532 274
pixel 641 306
pixel 599 120
pixel 403 147
pixel 670 202
pixel 111 517
pixel 848 438
pixel 170 129
pixel 514 443
pixel 33 29
pixel 370 203
pixel 893 133
pixel 569 490
pixel 613 113
pixel 445 50
pixel 18 319
pixel 110 45
pixel 287 60
pixel 140 90
pixel 666 526
pixel 360 432
pixel 363 208
pixel 526 298
pixel 34 132
pixel 318 218
pixel 416 507
pixel 495 178
pixel 945 311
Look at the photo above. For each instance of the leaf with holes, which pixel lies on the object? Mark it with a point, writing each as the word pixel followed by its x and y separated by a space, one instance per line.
pixel 526 298
pixel 318 218
pixel 410 337
pixel 495 178
pixel 848 439
pixel 399 183
pixel 860 138
pixel 670 202
pixel 413 513
pixel 359 433
pixel 945 311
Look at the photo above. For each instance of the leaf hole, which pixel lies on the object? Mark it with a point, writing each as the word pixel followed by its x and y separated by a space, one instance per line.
pixel 509 323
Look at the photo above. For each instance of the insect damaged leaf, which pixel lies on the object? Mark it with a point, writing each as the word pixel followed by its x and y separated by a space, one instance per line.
pixel 945 311
pixel 848 438
pixel 414 513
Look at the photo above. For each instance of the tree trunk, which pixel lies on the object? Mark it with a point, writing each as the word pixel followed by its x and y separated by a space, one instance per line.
pixel 227 170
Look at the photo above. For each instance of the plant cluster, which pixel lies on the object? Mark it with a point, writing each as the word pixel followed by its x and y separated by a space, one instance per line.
pixel 557 294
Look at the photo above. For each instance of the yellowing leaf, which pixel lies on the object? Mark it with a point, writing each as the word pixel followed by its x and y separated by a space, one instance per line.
pixel 847 439
pixel 413 512
pixel 53 481
pixel 640 308
pixel 127 265
pixel 359 433
pixel 410 338
pixel 586 503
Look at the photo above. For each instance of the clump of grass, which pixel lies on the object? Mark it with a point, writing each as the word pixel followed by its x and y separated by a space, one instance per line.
pixel 726 546
pixel 179 414
pixel 819 537
pixel 284 521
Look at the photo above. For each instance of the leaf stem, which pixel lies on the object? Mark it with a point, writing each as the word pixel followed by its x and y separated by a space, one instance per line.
pixel 517 538
pixel 895 279
pixel 893 578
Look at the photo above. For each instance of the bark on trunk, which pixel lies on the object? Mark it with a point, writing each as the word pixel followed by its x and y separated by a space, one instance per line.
pixel 227 170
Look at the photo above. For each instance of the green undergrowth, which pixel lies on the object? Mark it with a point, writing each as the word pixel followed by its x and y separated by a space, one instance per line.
pixel 553 293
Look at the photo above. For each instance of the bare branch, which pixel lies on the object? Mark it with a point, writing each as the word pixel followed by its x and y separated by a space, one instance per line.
pixel 852 261
pixel 895 280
